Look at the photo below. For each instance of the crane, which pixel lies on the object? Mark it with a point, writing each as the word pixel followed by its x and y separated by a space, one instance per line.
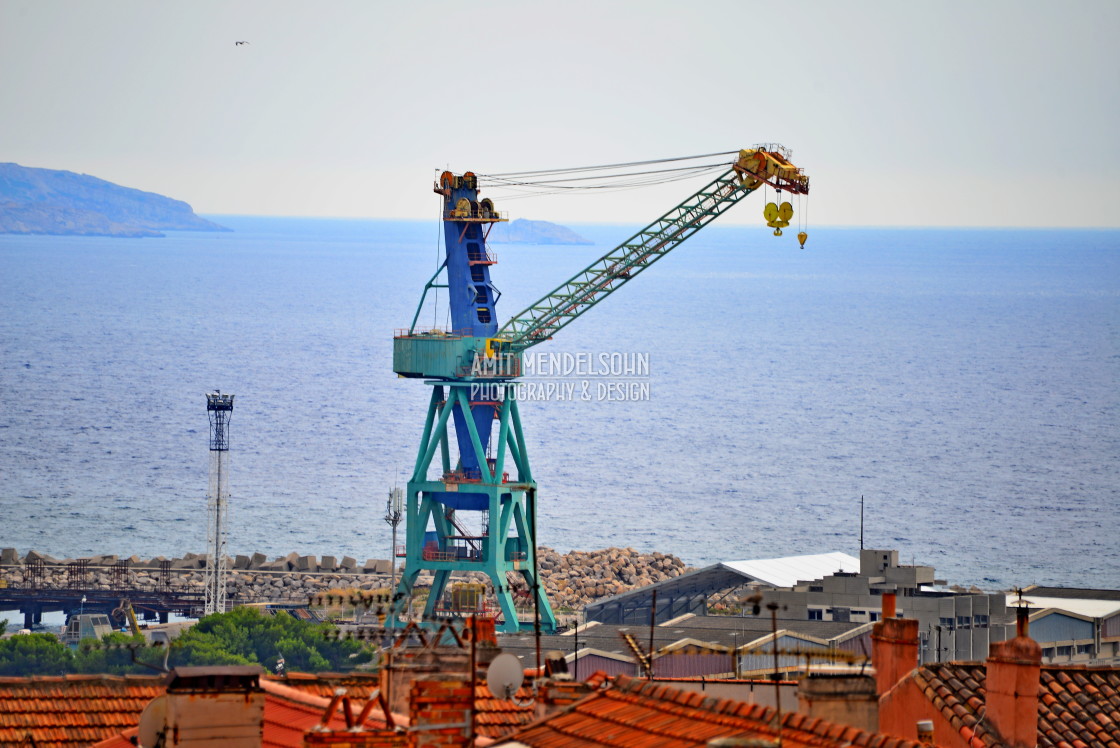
pixel 473 366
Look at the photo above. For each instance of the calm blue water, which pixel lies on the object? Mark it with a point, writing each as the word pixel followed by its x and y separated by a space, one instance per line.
pixel 965 382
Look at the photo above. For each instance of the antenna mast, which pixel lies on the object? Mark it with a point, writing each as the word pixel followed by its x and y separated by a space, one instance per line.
pixel 394 512
pixel 219 408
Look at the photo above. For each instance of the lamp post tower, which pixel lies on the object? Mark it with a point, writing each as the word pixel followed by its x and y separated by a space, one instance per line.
pixel 219 408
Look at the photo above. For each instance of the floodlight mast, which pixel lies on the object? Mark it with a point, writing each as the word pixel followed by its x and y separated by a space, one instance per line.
pixel 219 409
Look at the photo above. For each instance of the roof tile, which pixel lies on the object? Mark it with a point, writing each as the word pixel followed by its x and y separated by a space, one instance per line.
pixel 72 710
pixel 628 716
pixel 1078 706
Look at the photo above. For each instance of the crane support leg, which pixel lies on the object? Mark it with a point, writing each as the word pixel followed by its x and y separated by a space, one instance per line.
pixel 439 509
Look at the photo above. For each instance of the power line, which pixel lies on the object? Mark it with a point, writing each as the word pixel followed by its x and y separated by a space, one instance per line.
pixel 542 172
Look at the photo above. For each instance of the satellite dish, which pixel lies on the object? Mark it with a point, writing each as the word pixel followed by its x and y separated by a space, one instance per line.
pixel 153 723
pixel 504 676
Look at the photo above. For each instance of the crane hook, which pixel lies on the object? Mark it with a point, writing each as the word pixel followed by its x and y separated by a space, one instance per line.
pixel 801 237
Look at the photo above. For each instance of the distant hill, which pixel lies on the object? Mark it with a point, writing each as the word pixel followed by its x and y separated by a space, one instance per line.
pixel 523 231
pixel 47 201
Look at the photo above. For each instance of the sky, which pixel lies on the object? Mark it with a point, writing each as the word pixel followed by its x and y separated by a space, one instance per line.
pixel 915 114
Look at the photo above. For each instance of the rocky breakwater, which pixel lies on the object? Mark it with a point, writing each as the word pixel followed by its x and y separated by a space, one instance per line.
pixel 291 578
pixel 571 579
pixel 574 579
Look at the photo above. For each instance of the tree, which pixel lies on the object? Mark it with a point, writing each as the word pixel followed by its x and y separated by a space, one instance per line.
pixel 245 636
pixel 113 656
pixel 34 654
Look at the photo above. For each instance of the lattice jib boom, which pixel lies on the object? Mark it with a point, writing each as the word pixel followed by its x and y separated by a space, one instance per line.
pixel 585 289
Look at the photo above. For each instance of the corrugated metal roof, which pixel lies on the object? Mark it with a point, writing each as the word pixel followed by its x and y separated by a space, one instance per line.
pixel 788 571
pixel 1090 608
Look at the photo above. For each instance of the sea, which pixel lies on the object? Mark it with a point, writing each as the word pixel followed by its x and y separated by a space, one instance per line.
pixel 962 386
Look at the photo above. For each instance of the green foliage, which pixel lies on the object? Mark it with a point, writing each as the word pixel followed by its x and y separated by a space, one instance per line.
pixel 112 657
pixel 246 636
pixel 34 654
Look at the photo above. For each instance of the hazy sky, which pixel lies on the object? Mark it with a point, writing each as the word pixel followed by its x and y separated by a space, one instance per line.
pixel 933 113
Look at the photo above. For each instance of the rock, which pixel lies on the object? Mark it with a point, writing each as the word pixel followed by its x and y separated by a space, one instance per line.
pixel 9 556
pixel 257 560
pixel 328 563
pixel 348 563
pixel 307 563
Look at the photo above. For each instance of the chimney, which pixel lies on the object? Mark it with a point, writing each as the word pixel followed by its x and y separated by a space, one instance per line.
pixel 476 644
pixel 846 699
pixel 442 710
pixel 894 646
pixel 206 706
pixel 925 731
pixel 1012 686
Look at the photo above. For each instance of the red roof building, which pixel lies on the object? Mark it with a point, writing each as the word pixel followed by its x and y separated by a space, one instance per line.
pixel 1010 700
pixel 632 713
pixel 72 710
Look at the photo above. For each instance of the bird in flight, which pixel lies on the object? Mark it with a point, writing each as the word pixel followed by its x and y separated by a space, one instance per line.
pixel 238 44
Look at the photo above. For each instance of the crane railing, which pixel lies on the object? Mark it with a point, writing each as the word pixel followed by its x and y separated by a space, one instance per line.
pixel 597 281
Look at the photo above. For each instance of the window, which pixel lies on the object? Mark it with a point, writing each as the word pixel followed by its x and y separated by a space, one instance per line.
pixel 946 622
pixel 816 614
pixel 874 615
pixel 981 621
pixel 1084 649
pixel 964 622
pixel 1066 651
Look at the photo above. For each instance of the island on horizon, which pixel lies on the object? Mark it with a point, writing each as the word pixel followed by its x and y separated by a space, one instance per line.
pixel 62 203
pixel 524 231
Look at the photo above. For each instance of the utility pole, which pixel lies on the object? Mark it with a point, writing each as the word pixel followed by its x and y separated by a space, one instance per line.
pixel 394 512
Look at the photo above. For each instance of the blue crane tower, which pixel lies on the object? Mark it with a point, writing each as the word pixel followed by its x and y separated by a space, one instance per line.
pixel 476 509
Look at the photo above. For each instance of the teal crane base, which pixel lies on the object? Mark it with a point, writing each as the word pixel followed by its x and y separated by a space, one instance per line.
pixel 503 507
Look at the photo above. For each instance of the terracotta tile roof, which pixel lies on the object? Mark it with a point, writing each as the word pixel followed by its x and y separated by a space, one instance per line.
pixel 72 710
pixel 1077 707
pixel 82 710
pixel 493 717
pixel 119 741
pixel 634 713
pixel 957 690
pixel 289 713
pixel 357 685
